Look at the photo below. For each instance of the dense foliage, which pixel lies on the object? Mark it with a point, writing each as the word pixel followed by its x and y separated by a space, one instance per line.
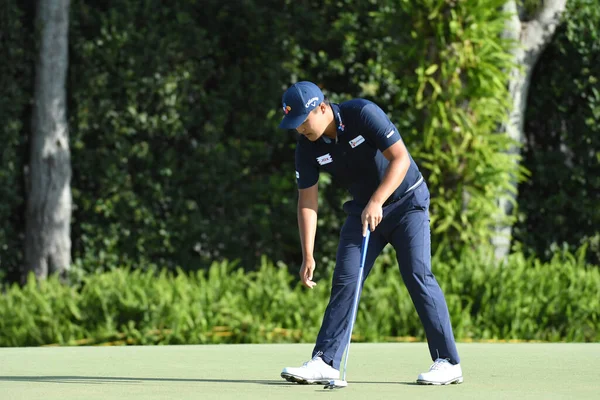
pixel 17 52
pixel 173 109
pixel 560 203
pixel 521 299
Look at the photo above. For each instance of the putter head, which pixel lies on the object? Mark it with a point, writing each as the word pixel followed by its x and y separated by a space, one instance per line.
pixel 336 384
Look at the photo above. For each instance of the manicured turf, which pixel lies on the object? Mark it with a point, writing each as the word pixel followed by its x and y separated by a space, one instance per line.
pixel 375 371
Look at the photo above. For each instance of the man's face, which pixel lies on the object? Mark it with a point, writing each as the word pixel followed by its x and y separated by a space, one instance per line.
pixel 314 125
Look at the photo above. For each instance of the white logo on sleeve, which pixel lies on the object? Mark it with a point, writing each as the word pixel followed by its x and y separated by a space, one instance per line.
pixel 297 175
pixel 356 141
pixel 390 134
pixel 325 159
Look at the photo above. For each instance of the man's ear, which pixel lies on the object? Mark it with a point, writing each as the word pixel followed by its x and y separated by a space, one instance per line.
pixel 323 107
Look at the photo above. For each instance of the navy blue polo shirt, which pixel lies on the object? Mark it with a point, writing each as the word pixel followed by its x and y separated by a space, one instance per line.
pixel 355 160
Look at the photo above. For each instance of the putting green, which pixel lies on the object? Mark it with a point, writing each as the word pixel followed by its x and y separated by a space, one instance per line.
pixel 375 371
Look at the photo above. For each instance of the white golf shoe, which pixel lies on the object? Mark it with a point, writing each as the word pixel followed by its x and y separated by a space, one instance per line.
pixel 441 372
pixel 312 371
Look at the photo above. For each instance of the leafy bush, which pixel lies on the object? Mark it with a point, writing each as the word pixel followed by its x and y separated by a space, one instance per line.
pixel 521 299
pixel 173 108
pixel 173 161
pixel 451 60
pixel 16 82
pixel 559 203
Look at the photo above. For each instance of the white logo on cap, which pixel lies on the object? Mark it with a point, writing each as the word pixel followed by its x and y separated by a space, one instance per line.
pixel 312 102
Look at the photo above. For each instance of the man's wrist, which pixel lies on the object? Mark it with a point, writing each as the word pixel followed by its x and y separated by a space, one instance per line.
pixel 377 201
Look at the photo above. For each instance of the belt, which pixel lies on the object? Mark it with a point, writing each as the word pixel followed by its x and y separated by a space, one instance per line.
pixel 410 189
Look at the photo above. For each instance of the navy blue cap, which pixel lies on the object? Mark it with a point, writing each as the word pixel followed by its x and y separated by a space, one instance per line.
pixel 299 100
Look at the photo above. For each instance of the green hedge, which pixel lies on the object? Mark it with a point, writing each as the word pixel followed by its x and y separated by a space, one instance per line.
pixel 176 156
pixel 173 108
pixel 172 160
pixel 559 203
pixel 17 52
pixel 522 299
pixel 173 111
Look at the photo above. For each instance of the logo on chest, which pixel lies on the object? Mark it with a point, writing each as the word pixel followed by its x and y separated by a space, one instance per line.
pixel 325 159
pixel 356 141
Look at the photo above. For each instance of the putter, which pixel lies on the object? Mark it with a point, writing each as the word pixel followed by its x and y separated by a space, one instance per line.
pixel 341 383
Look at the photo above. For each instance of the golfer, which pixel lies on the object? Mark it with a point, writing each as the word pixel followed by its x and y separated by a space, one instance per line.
pixel 356 143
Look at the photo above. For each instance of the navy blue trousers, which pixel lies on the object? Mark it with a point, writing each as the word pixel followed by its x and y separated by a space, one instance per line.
pixel 405 225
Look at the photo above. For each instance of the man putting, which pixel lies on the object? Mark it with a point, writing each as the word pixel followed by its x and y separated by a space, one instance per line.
pixel 356 143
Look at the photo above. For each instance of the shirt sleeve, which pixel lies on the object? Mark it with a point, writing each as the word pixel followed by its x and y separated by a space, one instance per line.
pixel 382 130
pixel 307 171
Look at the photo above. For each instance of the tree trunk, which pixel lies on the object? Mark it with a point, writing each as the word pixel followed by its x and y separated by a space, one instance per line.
pixel 48 218
pixel 532 37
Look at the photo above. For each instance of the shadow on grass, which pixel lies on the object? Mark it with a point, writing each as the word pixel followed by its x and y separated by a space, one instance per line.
pixel 119 379
pixel 98 380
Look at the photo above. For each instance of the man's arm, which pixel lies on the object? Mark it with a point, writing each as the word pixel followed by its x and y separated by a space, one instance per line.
pixel 397 155
pixel 308 205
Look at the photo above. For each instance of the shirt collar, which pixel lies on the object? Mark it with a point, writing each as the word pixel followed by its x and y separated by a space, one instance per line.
pixel 339 123
pixel 337 116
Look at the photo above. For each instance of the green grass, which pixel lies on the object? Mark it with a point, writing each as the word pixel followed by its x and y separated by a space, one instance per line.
pixel 375 371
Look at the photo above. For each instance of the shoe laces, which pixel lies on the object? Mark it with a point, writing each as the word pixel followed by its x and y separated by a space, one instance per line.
pixel 440 363
pixel 313 360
